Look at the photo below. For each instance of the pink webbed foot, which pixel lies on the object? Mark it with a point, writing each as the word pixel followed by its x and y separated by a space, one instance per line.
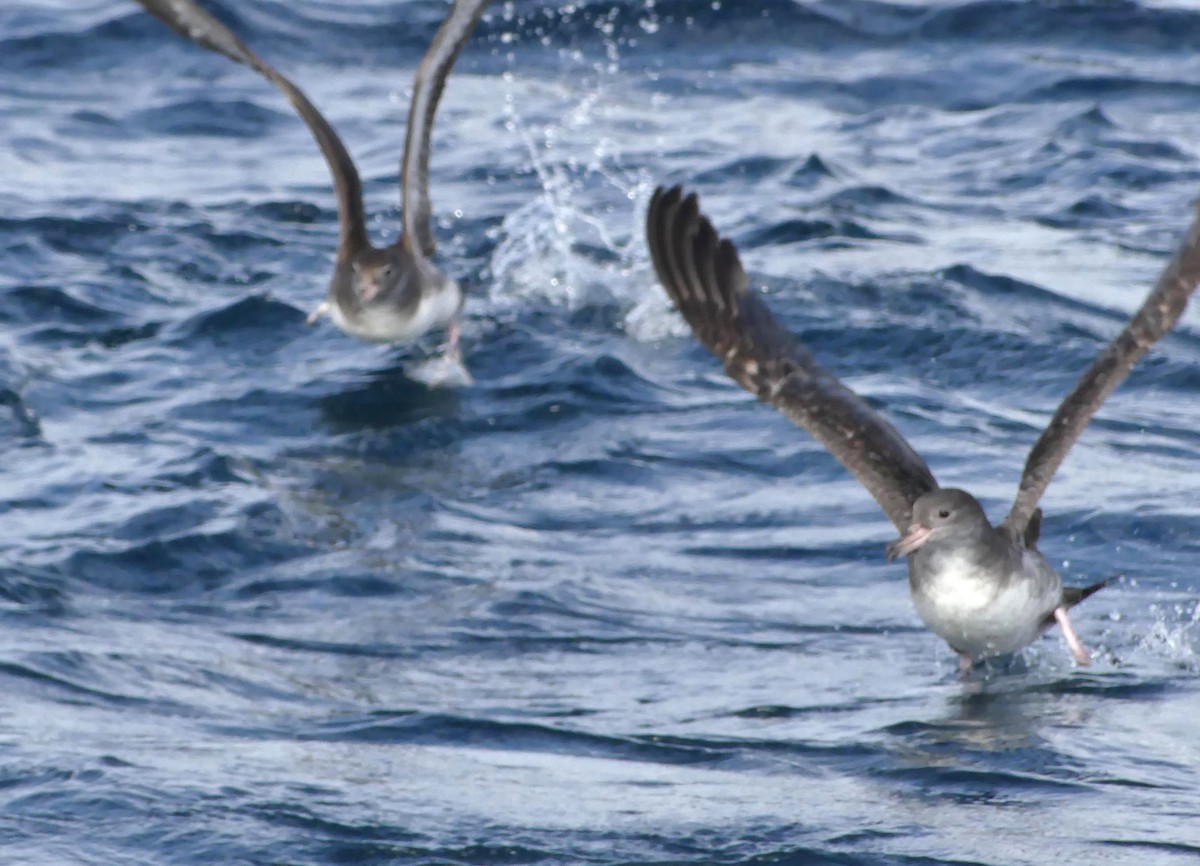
pixel 448 368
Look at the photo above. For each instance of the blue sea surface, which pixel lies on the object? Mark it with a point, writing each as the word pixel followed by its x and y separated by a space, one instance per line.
pixel 267 599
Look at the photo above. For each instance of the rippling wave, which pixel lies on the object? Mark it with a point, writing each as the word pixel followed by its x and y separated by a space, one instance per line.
pixel 268 599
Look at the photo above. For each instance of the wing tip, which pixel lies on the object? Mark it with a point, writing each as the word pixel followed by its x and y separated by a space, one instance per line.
pixel 700 270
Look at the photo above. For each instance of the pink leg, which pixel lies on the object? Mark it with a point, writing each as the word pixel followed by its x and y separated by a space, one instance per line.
pixel 965 663
pixel 454 352
pixel 1077 649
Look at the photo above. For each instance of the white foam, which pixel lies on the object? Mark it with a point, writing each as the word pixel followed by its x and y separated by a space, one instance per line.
pixel 580 242
pixel 440 371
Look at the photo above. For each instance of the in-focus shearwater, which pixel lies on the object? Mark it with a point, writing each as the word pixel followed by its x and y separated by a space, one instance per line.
pixel 394 294
pixel 985 590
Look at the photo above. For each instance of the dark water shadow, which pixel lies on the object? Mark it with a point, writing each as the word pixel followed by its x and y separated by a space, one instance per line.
pixel 384 399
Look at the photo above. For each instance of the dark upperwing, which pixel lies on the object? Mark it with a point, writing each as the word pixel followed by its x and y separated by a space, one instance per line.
pixel 1157 315
pixel 704 277
pixel 415 210
pixel 191 21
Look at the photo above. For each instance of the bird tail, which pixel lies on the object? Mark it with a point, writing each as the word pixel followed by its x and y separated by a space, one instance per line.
pixel 1072 595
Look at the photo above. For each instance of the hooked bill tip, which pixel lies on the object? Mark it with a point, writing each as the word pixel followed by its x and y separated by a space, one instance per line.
pixel 908 542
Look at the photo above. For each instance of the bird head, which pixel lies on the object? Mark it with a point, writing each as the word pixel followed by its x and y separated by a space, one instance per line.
pixel 936 515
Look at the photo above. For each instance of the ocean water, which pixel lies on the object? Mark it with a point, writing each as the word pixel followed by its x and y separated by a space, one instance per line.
pixel 266 599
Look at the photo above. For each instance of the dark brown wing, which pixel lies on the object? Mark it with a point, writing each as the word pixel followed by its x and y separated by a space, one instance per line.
pixel 191 21
pixel 415 210
pixel 1158 315
pixel 704 277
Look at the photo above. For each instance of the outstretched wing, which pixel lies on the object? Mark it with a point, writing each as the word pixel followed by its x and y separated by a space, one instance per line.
pixel 191 21
pixel 430 79
pixel 1158 315
pixel 704 277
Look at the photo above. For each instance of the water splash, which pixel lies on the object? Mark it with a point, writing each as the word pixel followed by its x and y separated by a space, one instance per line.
pixel 1175 633
pixel 441 371
pixel 578 242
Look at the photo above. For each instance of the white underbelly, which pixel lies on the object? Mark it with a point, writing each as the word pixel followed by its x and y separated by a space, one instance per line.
pixel 976 616
pixel 382 323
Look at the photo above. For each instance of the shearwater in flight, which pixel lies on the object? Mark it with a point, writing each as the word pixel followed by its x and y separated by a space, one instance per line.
pixel 986 590
pixel 392 294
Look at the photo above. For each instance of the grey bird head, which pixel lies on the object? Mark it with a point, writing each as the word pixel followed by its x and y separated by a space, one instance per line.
pixel 377 273
pixel 939 514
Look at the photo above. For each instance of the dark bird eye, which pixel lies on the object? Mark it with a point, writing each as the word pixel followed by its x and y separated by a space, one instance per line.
pixel 943 513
